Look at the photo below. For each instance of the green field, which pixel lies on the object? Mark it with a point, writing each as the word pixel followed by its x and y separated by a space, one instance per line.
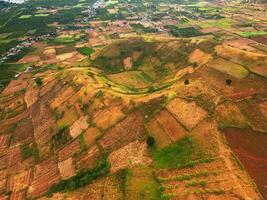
pixel 252 33
pixel 85 51
pixel 174 154
pixel 24 16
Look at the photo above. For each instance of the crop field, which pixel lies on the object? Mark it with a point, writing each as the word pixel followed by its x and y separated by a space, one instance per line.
pixel 229 68
pixel 134 100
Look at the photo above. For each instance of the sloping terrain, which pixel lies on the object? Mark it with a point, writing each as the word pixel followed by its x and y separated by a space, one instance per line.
pixel 141 120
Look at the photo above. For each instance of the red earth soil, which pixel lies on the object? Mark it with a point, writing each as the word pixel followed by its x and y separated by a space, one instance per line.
pixel 251 149
pixel 260 39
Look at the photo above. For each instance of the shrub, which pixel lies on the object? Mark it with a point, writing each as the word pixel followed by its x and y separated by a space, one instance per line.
pixel 82 178
pixel 38 81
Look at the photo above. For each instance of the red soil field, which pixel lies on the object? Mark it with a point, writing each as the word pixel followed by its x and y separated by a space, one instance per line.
pixel 250 148
pixel 260 39
pixel 129 129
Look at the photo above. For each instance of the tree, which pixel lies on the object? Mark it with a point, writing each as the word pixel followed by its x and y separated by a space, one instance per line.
pixel 186 82
pixel 150 141
pixel 229 81
pixel 38 81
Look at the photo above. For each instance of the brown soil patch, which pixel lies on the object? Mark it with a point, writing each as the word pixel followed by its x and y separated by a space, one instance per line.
pixel 188 113
pixel 229 115
pixel 3 141
pixel 20 195
pixel 31 95
pixel 29 59
pixel 87 160
pixel 260 39
pixel 79 126
pixel 250 148
pixel 161 138
pixel 23 133
pixel 69 150
pixel 3 181
pixel 131 155
pixel 90 135
pixel 20 181
pixel 45 175
pixel 263 108
pixel 128 64
pixel 170 126
pixel 254 116
pixel 242 43
pixel 200 57
pixel 15 86
pixel 129 129
pixel 108 117
pixel 66 168
pixel 43 123
pixel 62 97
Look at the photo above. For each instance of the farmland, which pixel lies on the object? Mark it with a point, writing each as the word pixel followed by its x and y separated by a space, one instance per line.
pixel 117 100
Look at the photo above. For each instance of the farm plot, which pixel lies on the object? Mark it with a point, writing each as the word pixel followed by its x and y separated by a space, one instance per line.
pixel 43 123
pixel 29 59
pixel 254 62
pixel 263 108
pixel 188 113
pixel 132 155
pixel 129 129
pixel 132 79
pixel 228 67
pixel 161 138
pixel 45 175
pixel 66 168
pixel 4 139
pixel 79 126
pixel 62 97
pixel 249 146
pixel 23 132
pixel 229 115
pixel 15 86
pixel 3 181
pixel 20 181
pixel 256 120
pixel 108 117
pixel 31 94
pixel 14 159
pixel 66 114
pixel 69 150
pixel 172 128
pixel 90 135
pixel 88 159
pixel 141 184
pixel 206 180
pixel 199 57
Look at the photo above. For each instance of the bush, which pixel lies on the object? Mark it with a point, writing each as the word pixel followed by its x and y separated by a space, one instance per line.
pixel 82 178
pixel 150 141
pixel 39 81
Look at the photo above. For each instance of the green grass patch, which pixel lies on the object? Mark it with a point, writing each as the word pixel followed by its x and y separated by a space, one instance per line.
pixel 252 33
pixel 64 40
pixel 24 16
pixel 85 51
pixel 140 184
pixel 177 154
pixel 41 15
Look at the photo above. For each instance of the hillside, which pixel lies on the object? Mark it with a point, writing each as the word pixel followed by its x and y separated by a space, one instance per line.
pixel 150 127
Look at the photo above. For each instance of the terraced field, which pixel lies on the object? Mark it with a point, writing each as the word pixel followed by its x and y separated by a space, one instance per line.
pixel 148 127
